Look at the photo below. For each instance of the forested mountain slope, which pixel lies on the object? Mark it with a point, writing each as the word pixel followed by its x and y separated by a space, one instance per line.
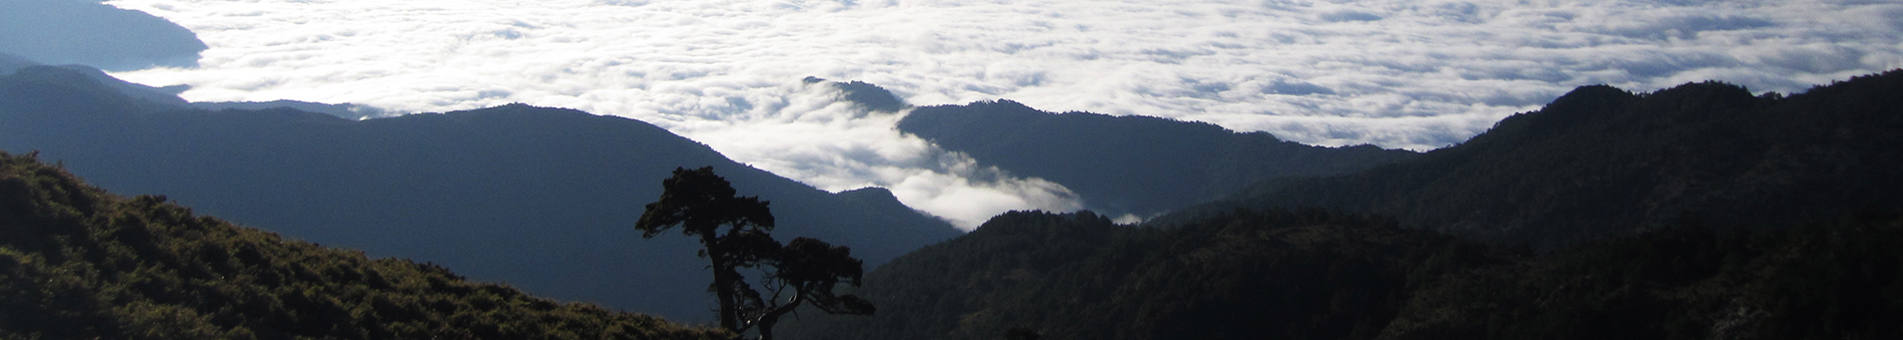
pixel 544 199
pixel 1319 275
pixel 1600 162
pixel 1307 275
pixel 78 263
pixel 1694 212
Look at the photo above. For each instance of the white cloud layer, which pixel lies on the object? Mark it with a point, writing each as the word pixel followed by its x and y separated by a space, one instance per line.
pixel 807 133
pixel 1417 74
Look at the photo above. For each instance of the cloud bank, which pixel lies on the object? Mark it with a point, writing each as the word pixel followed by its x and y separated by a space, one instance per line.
pixel 811 134
pixel 1411 74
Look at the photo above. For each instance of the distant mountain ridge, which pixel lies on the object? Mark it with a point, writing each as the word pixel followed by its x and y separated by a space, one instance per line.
pixel 542 198
pixel 149 95
pixel 1602 162
pixel 1142 166
pixel 168 95
pixel 1696 212
pixel 96 34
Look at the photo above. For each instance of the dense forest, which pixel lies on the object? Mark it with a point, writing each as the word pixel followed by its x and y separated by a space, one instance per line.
pixel 541 198
pixel 1695 212
pixel 1319 275
pixel 78 263
pixel 1142 166
pixel 1079 276
pixel 1600 161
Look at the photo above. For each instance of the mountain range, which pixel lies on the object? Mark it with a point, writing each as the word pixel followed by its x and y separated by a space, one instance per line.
pixel 540 198
pixel 1699 211
pixel 1130 165
pixel 1601 162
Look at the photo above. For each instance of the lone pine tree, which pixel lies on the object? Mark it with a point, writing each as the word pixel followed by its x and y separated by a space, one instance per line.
pixel 736 232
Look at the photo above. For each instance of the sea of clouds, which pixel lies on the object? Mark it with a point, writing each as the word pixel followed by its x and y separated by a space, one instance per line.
pixel 1417 74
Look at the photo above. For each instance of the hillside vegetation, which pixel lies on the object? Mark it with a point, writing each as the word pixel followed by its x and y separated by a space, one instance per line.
pixel 1602 162
pixel 78 263
pixel 1695 212
pixel 1304 275
pixel 1319 275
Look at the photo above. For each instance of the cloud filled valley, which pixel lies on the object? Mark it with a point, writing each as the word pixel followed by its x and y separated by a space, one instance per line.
pixel 1404 74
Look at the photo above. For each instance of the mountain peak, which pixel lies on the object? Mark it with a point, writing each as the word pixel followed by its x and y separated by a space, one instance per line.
pixel 1707 93
pixel 873 192
pixel 870 96
pixel 1005 105
pixel 1071 224
pixel 864 94
pixel 1590 97
pixel 1601 162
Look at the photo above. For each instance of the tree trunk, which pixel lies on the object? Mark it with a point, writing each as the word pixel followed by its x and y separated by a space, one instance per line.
pixel 723 284
pixel 772 316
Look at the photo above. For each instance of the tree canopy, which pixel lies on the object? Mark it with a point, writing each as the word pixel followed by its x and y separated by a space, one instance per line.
pixel 736 233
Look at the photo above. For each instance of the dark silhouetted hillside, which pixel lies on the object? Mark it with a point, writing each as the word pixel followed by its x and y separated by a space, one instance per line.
pixel 1836 279
pixel 1695 212
pixel 94 34
pixel 1307 275
pixel 544 199
pixel 1129 165
pixel 1318 275
pixel 78 263
pixel 1600 161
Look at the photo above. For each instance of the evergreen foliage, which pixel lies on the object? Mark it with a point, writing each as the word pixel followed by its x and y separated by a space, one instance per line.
pixel 736 233
pixel 78 263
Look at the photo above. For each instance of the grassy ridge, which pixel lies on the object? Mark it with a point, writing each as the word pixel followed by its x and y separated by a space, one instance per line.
pixel 76 262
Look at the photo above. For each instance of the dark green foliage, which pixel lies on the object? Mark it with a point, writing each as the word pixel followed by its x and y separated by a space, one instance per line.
pixel 1129 165
pixel 1602 162
pixel 78 263
pixel 1078 276
pixel 1837 280
pixel 1312 275
pixel 735 233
